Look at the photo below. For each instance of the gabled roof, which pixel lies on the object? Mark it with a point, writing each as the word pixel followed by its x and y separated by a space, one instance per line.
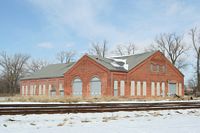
pixel 51 71
pixel 134 60
pixel 117 63
pixel 106 62
pixel 123 64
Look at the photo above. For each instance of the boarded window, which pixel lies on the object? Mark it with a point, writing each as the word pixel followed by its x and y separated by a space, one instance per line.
pixel 40 89
pixel 44 90
pixel 122 88
pixel 23 90
pixel 132 88
pixel 77 87
pixel 172 89
pixel 115 88
pixel 180 89
pixel 34 89
pixel 31 90
pixel 138 88
pixel 144 88
pixel 26 93
pixel 163 89
pixel 95 87
pixel 158 88
pixel 152 88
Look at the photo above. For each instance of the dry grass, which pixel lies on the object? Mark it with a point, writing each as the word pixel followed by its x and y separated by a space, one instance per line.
pixel 19 98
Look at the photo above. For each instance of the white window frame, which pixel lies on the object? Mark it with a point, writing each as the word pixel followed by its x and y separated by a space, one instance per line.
pixel 122 88
pixel 44 89
pixel 163 89
pixel 158 88
pixel 132 88
pixel 152 88
pixel 138 88
pixel 40 89
pixel 50 87
pixel 177 89
pixel 23 90
pixel 180 89
pixel 144 88
pixel 115 88
pixel 26 90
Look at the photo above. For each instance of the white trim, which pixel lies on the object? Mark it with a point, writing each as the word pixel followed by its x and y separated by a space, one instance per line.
pixel 132 88
pixel 122 88
pixel 144 87
pixel 138 88
pixel 180 89
pixel 152 88
pixel 158 88
pixel 163 89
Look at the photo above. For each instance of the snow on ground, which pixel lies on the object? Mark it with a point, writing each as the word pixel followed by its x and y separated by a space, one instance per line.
pixel 168 121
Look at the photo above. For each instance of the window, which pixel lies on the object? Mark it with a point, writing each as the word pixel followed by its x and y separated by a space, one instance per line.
pixel 144 86
pixel 152 89
pixel 132 88
pixel 62 93
pixel 158 88
pixel 26 93
pixel 115 88
pixel 138 88
pixel 163 89
pixel 157 68
pixel 31 90
pixel 40 89
pixel 61 90
pixel 44 90
pixel 163 69
pixel 180 89
pixel 34 89
pixel 22 90
pixel 122 87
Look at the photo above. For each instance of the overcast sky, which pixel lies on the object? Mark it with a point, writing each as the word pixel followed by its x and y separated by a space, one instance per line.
pixel 41 28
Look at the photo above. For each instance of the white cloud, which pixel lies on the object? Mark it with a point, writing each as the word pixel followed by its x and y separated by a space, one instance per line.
pixel 45 45
pixel 83 17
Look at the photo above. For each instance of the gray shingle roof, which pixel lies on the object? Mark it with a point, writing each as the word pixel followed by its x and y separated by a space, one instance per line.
pixel 58 70
pixel 132 61
pixel 51 71
pixel 106 62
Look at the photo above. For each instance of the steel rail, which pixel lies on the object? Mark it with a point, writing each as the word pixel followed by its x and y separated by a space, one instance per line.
pixel 17 109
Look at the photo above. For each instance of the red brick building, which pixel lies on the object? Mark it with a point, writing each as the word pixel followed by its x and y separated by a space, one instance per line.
pixel 143 75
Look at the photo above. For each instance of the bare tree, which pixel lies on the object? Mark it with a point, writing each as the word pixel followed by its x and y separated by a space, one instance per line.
pixel 195 35
pixel 172 46
pixel 125 49
pixel 13 69
pixel 99 49
pixel 65 56
pixel 36 65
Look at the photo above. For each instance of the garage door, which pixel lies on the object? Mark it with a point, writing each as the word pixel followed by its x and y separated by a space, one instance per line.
pixel 172 89
pixel 95 87
pixel 77 87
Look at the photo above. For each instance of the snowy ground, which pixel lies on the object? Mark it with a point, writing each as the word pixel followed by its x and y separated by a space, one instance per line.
pixel 170 121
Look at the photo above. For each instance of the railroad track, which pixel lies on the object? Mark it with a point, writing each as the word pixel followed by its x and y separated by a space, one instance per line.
pixel 23 109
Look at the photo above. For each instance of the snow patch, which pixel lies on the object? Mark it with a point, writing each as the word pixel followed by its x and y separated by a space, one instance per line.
pixel 116 63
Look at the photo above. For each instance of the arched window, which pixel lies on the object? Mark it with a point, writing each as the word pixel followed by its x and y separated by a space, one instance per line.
pixel 95 87
pixel 77 87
